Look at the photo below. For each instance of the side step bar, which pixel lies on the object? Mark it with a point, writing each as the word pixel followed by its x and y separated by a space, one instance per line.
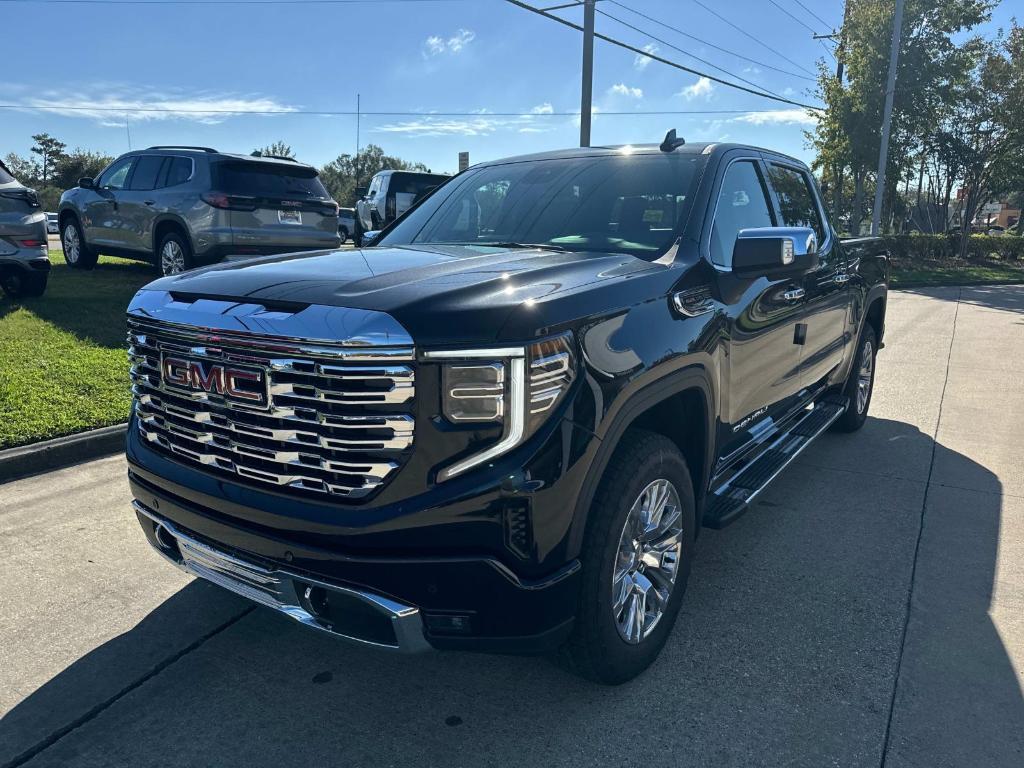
pixel 730 501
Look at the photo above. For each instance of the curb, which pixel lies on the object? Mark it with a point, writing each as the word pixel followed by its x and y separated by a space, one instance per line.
pixel 60 452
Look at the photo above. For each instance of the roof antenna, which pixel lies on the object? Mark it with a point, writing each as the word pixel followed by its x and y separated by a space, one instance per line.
pixel 671 143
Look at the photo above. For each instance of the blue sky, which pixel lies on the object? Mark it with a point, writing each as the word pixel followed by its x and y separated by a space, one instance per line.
pixel 460 56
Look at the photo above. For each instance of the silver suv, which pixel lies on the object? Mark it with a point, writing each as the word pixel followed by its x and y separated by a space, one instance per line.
pixel 24 258
pixel 185 206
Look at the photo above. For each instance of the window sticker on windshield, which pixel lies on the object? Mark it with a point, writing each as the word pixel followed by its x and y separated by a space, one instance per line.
pixel 653 216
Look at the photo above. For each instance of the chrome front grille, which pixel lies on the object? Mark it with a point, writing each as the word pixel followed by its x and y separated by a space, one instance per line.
pixel 338 420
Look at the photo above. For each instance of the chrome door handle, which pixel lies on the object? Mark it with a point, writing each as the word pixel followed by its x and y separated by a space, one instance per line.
pixel 841 279
pixel 794 294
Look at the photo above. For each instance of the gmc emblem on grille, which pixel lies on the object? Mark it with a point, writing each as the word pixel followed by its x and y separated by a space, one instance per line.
pixel 247 385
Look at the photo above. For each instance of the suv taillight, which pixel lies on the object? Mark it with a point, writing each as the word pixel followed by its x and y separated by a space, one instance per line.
pixel 229 202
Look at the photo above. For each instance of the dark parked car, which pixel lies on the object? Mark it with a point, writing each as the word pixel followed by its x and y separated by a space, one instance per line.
pixel 502 427
pixel 181 207
pixel 24 254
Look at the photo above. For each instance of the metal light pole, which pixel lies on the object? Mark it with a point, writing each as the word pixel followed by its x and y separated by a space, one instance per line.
pixel 890 89
pixel 587 94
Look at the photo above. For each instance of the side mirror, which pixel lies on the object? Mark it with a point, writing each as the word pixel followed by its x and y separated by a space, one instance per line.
pixel 369 238
pixel 774 252
pixel 86 182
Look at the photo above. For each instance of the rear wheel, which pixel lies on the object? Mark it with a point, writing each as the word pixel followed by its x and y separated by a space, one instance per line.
pixel 636 560
pixel 77 254
pixel 23 285
pixel 174 255
pixel 343 234
pixel 861 383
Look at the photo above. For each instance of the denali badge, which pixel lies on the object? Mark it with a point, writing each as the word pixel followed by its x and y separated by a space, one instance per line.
pixel 246 385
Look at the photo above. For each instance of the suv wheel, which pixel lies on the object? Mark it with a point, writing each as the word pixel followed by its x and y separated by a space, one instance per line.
pixel 636 560
pixel 861 384
pixel 20 285
pixel 174 255
pixel 343 234
pixel 77 254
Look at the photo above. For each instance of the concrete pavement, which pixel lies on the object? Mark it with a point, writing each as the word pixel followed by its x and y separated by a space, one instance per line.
pixel 868 611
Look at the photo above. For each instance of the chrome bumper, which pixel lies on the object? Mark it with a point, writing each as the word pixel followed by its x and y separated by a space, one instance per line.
pixel 376 621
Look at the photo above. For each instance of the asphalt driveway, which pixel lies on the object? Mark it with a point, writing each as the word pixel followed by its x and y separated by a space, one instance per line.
pixel 868 611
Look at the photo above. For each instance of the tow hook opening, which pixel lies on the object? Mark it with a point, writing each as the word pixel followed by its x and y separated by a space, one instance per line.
pixel 346 614
pixel 166 543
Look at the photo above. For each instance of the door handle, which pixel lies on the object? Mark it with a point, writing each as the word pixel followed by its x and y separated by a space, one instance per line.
pixel 841 279
pixel 793 294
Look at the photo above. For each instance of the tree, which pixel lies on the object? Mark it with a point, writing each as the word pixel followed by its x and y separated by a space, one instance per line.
pixel 343 175
pixel 24 169
pixel 277 149
pixel 78 163
pixel 50 150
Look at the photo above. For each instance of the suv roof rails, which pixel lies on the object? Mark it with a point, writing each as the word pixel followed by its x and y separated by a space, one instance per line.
pixel 184 146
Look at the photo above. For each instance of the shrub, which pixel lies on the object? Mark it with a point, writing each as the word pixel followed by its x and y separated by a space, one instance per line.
pixel 910 248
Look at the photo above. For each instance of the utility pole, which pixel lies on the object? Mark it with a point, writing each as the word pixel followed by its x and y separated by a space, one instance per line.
pixel 587 94
pixel 357 139
pixel 890 90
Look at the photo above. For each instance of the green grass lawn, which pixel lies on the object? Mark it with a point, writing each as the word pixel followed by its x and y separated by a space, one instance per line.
pixel 63 365
pixel 917 274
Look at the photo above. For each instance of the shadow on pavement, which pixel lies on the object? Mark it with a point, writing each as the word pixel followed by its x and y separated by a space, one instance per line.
pixel 1008 298
pixel 785 653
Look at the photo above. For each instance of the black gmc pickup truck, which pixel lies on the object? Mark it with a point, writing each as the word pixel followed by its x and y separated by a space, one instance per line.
pixel 501 426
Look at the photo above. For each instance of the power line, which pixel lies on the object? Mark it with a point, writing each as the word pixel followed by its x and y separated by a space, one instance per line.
pixel 742 31
pixel 364 113
pixel 687 53
pixel 795 18
pixel 662 59
pixel 709 44
pixel 812 13
pixel 222 2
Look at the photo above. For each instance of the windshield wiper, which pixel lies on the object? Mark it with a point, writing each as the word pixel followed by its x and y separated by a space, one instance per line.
pixel 541 246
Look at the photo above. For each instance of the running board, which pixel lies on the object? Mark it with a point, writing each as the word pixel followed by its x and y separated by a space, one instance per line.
pixel 730 501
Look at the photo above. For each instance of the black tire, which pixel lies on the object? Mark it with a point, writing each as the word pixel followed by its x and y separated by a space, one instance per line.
pixel 597 649
pixel 23 285
pixel 357 233
pixel 343 234
pixel 179 254
pixel 82 256
pixel 857 409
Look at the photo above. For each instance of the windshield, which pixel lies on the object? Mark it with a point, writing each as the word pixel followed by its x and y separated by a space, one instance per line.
pixel 613 203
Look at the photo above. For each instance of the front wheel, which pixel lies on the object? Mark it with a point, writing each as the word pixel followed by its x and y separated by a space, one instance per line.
pixel 21 285
pixel 77 254
pixel 636 559
pixel 861 384
pixel 343 234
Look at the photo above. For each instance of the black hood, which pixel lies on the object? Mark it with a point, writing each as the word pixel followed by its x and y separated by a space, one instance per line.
pixel 440 294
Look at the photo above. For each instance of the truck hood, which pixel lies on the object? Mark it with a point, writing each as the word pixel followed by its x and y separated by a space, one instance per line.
pixel 439 293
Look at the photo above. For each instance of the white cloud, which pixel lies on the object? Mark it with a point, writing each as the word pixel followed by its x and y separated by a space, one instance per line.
pixel 115 104
pixel 543 109
pixel 640 61
pixel 436 45
pixel 703 88
pixel 621 89
pixel 481 124
pixel 778 117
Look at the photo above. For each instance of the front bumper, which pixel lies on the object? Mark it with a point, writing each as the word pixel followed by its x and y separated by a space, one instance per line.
pixel 352 614
pixel 461 602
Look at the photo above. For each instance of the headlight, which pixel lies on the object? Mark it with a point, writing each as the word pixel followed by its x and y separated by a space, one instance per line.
pixel 517 387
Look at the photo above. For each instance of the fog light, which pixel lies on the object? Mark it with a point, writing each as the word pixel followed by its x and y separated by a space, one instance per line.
pixel 448 624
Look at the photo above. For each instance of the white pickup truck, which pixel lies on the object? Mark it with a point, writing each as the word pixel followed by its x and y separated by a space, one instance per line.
pixel 390 194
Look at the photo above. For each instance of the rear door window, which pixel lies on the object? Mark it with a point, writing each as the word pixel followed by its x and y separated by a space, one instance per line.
pixel 147 169
pixel 797 202
pixel 177 170
pixel 274 181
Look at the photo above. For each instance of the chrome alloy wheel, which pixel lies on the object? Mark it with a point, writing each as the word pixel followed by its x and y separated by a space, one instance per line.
pixel 72 245
pixel 647 561
pixel 864 375
pixel 172 259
